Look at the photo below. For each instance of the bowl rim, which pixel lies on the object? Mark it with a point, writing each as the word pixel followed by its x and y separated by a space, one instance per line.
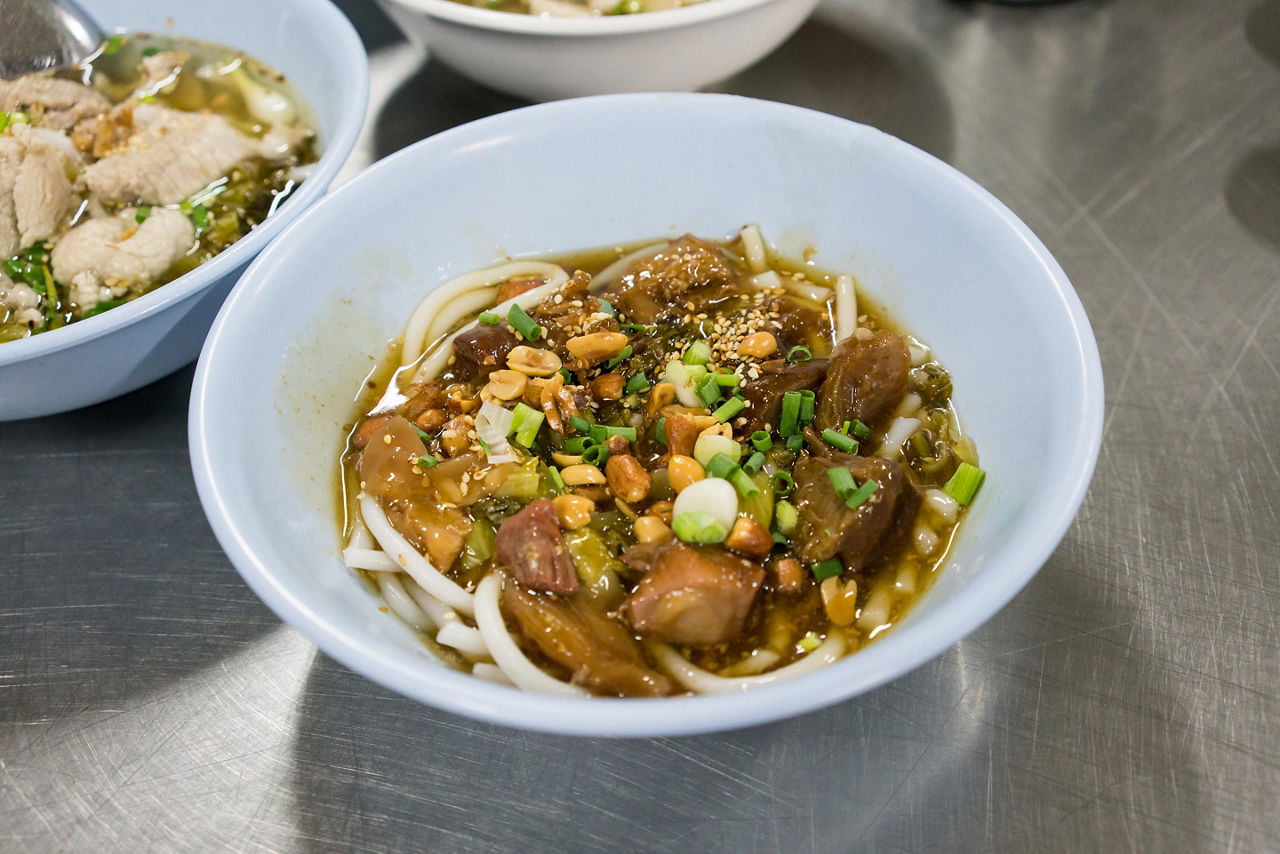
pixel 898 653
pixel 346 51
pixel 587 26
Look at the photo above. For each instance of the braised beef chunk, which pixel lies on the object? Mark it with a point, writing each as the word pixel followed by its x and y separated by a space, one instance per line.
pixel 386 464
pixel 686 272
pixel 868 379
pixel 861 536
pixel 690 596
pixel 599 652
pixel 482 350
pixel 764 394
pixel 529 543
pixel 796 324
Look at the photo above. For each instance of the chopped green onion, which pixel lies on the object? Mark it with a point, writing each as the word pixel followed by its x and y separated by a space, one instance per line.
pixel 601 432
pixel 142 213
pixel 727 379
pixel 783 483
pixel 580 424
pixel 743 483
pixel 862 431
pixel 707 390
pixel 426 461
pixel 721 466
pixel 633 327
pixel 799 353
pixel 842 481
pixel 578 444
pixel 753 463
pixel 488 318
pixel 699 353
pixel 150 51
pixel 827 569
pixel 524 324
pixel 839 440
pixel 421 434
pixel 4 121
pixel 624 353
pixel 556 480
pixel 568 377
pixel 807 398
pixel 113 45
pixel 761 441
pixel 698 527
pixel 17 117
pixel 790 417
pixel 200 216
pixel 809 642
pixel 964 483
pixel 606 308
pixel 728 409
pixel 105 305
pixel 787 516
pixel 660 431
pixel 779 538
pixel 795 443
pixel 596 455
pixel 525 424
pixel 636 384
pixel 855 499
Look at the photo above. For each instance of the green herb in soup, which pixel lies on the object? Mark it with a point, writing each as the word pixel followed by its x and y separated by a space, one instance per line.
pixel 579 8
pixel 120 175
pixel 685 467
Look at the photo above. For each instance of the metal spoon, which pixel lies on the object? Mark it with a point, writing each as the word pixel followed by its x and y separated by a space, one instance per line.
pixel 40 34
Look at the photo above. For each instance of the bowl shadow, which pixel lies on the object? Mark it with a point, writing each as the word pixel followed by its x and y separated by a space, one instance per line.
pixel 1252 193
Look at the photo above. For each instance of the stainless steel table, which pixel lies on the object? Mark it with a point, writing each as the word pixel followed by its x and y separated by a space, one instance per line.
pixel 1126 700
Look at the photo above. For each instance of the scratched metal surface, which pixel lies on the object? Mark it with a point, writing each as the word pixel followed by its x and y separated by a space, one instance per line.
pixel 1126 700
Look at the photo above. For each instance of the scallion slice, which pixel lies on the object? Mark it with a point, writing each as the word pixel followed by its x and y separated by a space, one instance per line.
pixel 578 444
pixel 721 466
pixel 633 327
pixel 790 418
pixel 807 398
pixel 761 440
pixel 698 527
pixel 525 423
pixel 660 431
pixel 728 409
pixel 782 482
pixel 753 463
pixel 842 481
pixel 699 353
pixel 524 324
pixel 786 515
pixel 636 384
pixel 827 569
pixel 426 461
pixel 596 455
pixel 422 434
pixel 855 499
pixel 488 318
pixel 799 353
pixel 840 440
pixel 964 483
pixel 862 431
pixel 607 308
pixel 623 354
pixel 743 483
pixel 727 379
pixel 556 480
pixel 707 390
pixel 795 443
pixel 580 424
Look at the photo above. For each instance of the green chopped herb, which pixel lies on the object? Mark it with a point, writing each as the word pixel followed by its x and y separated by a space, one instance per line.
pixel 606 308
pixel 795 443
pixel 421 433
pixel 556 480
pixel 580 424
pixel 568 377
pixel 150 51
pixel 728 409
pixel 786 515
pixel 524 324
pixel 525 423
pixel 743 483
pixel 842 481
pixel 488 318
pixel 799 353
pixel 727 379
pixel 862 431
pixel 761 440
pixel 782 482
pixel 697 527
pixel 809 642
pixel 855 499
pixel 200 216
pixel 839 440
pixel 707 390
pixel 790 417
pixel 578 444
pixel 807 398
pixel 426 461
pixel 105 305
pixel 721 466
pixel 624 353
pixel 596 455
pixel 827 569
pixel 636 384
pixel 660 431
pixel 699 353
pixel 113 45
pixel 601 432
pixel 142 213
pixel 633 327
pixel 753 463
pixel 964 483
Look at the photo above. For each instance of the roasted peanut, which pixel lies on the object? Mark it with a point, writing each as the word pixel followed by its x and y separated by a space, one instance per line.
pixel 573 511
pixel 651 529
pixel 597 493
pixel 702 422
pixel 840 600
pixel 758 345
pixel 788 575
pixel 749 538
pixel 366 430
pixel 583 474
pixel 431 420
pixel 547 400
pixel 627 478
pixel 617 445
pixel 661 509
pixel 562 459
pixel 453 438
pixel 659 396
pixel 681 435
pixel 607 387
pixel 533 361
pixel 683 471
pixel 507 384
pixel 597 346
pixel 717 429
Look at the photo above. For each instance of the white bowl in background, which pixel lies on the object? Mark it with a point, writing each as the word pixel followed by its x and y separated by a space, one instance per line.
pixel 312 316
pixel 676 50
pixel 88 361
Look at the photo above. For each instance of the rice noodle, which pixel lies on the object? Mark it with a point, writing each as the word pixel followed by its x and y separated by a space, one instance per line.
pixel 696 679
pixel 758 661
pixel 457 635
pixel 941 505
pixel 875 613
pixel 415 331
pixel 401 604
pixel 807 290
pixel 898 432
pixel 506 654
pixel 609 274
pixel 753 247
pixel 766 281
pixel 846 307
pixel 418 567
pixel 370 560
pixel 490 672
pixel 925 538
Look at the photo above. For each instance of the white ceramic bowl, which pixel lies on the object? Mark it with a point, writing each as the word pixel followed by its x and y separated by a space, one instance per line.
pixel 677 50
pixel 317 49
pixel 311 318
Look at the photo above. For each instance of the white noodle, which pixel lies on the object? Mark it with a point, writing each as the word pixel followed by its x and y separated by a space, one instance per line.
pixel 758 661
pixel 876 612
pixel 766 281
pixel 415 331
pixel 846 307
pixel 400 603
pixel 372 560
pixel 926 539
pixel 418 567
pixel 607 276
pixel 899 431
pixel 696 679
pixel 919 355
pixel 491 673
pixel 466 640
pixel 506 654
pixel 753 248
pixel 439 612
pixel 906 582
pixel 909 406
pixel 941 505
pixel 807 290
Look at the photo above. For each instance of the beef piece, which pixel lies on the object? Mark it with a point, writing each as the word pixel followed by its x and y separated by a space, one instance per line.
pixel 686 272
pixel 599 653
pixel 35 194
pixel 529 543
pixel 171 155
pixel 872 531
pixel 690 596
pixel 482 350
pixel 764 394
pixel 868 379
pixel 53 103
pixel 385 467
pixel 794 324
pixel 116 249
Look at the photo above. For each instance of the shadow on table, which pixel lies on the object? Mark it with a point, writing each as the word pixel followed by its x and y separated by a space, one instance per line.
pixel 112 583
pixel 1006 740
pixel 1253 193
pixel 871 77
